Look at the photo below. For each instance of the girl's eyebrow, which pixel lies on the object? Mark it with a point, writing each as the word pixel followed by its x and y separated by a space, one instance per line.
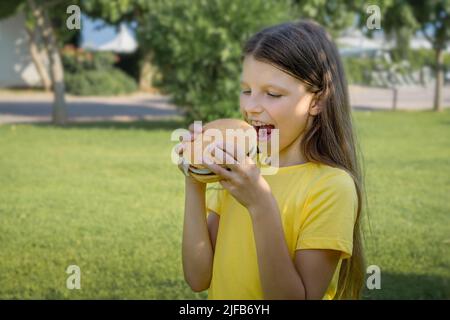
pixel 267 85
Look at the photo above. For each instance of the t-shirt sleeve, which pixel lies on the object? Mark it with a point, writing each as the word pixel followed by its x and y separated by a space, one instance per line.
pixel 329 215
pixel 214 198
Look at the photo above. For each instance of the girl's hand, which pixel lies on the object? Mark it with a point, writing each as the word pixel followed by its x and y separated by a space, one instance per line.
pixel 241 177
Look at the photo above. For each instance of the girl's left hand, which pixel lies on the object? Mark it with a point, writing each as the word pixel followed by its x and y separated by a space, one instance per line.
pixel 243 179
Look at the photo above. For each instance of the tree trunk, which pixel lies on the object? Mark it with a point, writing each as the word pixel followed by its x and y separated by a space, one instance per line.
pixel 59 114
pixel 146 73
pixel 37 59
pixel 394 98
pixel 57 72
pixel 437 106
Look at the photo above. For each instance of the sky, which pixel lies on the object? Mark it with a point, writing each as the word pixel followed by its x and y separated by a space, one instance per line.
pixel 96 32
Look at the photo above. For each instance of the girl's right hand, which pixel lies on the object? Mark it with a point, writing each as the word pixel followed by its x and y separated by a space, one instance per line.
pixel 179 149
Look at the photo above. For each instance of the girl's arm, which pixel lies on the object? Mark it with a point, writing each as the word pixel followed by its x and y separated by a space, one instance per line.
pixel 281 278
pixel 197 247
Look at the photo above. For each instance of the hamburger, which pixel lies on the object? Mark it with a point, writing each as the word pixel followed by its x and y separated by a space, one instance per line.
pixel 239 133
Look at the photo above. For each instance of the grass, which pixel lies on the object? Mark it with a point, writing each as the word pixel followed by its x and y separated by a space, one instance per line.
pixel 408 182
pixel 106 197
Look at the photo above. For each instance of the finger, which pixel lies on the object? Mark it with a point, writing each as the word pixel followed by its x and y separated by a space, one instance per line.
pixel 228 159
pixel 183 166
pixel 249 160
pixel 215 168
pixel 222 156
pixel 179 148
pixel 230 171
pixel 242 157
pixel 238 149
pixel 235 150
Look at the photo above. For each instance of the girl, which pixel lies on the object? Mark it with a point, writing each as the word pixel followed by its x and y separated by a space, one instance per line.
pixel 295 234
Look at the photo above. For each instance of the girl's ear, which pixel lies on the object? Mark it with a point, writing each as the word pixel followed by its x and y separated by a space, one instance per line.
pixel 316 107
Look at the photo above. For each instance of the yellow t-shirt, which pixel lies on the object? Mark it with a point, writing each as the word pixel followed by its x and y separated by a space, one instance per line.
pixel 318 207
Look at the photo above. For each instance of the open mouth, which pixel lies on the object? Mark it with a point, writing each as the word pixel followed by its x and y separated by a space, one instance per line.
pixel 264 131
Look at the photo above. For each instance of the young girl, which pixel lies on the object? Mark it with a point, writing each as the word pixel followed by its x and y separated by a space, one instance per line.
pixel 294 234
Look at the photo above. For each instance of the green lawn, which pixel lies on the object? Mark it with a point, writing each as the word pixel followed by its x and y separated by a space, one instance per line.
pixel 107 198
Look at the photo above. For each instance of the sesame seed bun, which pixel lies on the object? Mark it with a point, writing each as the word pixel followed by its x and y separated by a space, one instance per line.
pixel 226 130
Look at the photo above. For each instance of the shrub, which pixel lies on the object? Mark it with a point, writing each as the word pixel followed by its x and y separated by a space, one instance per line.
pixel 196 46
pixel 358 70
pixel 99 82
pixel 93 73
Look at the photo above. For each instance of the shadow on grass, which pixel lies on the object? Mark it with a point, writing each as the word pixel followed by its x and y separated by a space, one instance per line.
pixel 170 124
pixel 410 286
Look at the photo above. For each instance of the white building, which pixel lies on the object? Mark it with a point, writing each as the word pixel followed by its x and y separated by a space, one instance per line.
pixel 123 42
pixel 16 66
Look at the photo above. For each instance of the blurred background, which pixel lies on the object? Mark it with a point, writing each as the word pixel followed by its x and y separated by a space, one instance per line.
pixel 91 90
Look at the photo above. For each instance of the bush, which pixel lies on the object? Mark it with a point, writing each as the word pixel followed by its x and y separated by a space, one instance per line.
pixel 99 82
pixel 422 57
pixel 196 46
pixel 93 73
pixel 358 70
pixel 427 57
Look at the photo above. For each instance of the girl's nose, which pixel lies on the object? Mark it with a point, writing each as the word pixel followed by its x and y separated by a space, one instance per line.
pixel 252 106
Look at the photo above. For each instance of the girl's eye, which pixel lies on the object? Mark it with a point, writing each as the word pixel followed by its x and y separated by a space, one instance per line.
pixel 273 95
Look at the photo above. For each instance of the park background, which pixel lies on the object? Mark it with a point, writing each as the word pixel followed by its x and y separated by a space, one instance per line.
pixel 86 116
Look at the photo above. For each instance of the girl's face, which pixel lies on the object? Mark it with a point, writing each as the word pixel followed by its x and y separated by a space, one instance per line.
pixel 272 97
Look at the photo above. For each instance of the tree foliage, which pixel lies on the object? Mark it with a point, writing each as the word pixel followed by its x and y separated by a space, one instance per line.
pixel 196 45
pixel 197 48
pixel 334 15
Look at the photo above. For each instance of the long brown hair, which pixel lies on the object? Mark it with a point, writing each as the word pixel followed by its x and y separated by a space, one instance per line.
pixel 305 51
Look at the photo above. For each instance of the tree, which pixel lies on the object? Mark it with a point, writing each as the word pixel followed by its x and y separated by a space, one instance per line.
pixel 334 15
pixel 36 56
pixel 399 22
pixel 193 45
pixel 39 17
pixel 434 20
pixel 117 11
pixel 196 45
pixel 197 49
pixel 404 18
